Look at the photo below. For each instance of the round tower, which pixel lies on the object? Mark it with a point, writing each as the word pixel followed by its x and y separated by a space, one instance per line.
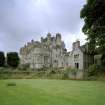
pixel 58 39
pixel 49 38
pixel 76 44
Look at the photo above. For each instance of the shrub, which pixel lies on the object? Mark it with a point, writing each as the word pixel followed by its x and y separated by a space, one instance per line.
pixel 68 73
pixel 93 70
pixel 91 78
pixel 12 59
pixel 2 59
pixel 103 60
pixel 24 67
pixel 2 69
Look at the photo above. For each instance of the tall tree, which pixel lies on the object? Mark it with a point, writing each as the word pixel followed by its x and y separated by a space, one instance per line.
pixel 12 59
pixel 2 59
pixel 94 17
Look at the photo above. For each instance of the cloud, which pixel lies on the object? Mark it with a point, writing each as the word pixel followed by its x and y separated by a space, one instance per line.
pixel 22 20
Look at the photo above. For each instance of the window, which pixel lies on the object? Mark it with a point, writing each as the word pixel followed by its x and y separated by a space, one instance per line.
pixel 45 59
pixel 77 65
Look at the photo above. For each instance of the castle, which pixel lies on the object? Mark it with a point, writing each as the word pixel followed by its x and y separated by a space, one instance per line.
pixel 51 52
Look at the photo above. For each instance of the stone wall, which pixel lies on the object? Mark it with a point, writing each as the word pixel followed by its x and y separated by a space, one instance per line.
pixel 51 52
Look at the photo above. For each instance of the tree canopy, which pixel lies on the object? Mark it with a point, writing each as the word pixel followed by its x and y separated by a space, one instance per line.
pixel 2 59
pixel 12 59
pixel 93 14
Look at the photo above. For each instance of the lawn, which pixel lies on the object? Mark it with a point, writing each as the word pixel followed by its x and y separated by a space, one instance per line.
pixel 52 92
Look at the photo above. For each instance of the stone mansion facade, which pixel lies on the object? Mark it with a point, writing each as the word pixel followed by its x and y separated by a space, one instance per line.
pixel 51 52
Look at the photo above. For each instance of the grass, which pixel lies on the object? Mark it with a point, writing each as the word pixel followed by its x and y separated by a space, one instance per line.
pixel 52 92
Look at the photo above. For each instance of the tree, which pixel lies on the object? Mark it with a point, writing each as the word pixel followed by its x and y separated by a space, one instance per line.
pixel 12 59
pixel 103 60
pixel 2 59
pixel 94 27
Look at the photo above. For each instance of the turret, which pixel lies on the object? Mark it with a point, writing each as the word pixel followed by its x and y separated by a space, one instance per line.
pixel 76 44
pixel 58 39
pixel 49 38
pixel 42 39
pixel 49 35
pixel 63 45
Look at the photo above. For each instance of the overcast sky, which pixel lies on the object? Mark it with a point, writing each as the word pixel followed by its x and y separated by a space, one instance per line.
pixel 23 20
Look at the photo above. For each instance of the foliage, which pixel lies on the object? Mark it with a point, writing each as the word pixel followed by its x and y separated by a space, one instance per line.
pixel 103 60
pixel 24 67
pixel 2 68
pixel 26 73
pixel 12 59
pixel 93 70
pixel 44 68
pixel 94 27
pixel 69 71
pixel 2 59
